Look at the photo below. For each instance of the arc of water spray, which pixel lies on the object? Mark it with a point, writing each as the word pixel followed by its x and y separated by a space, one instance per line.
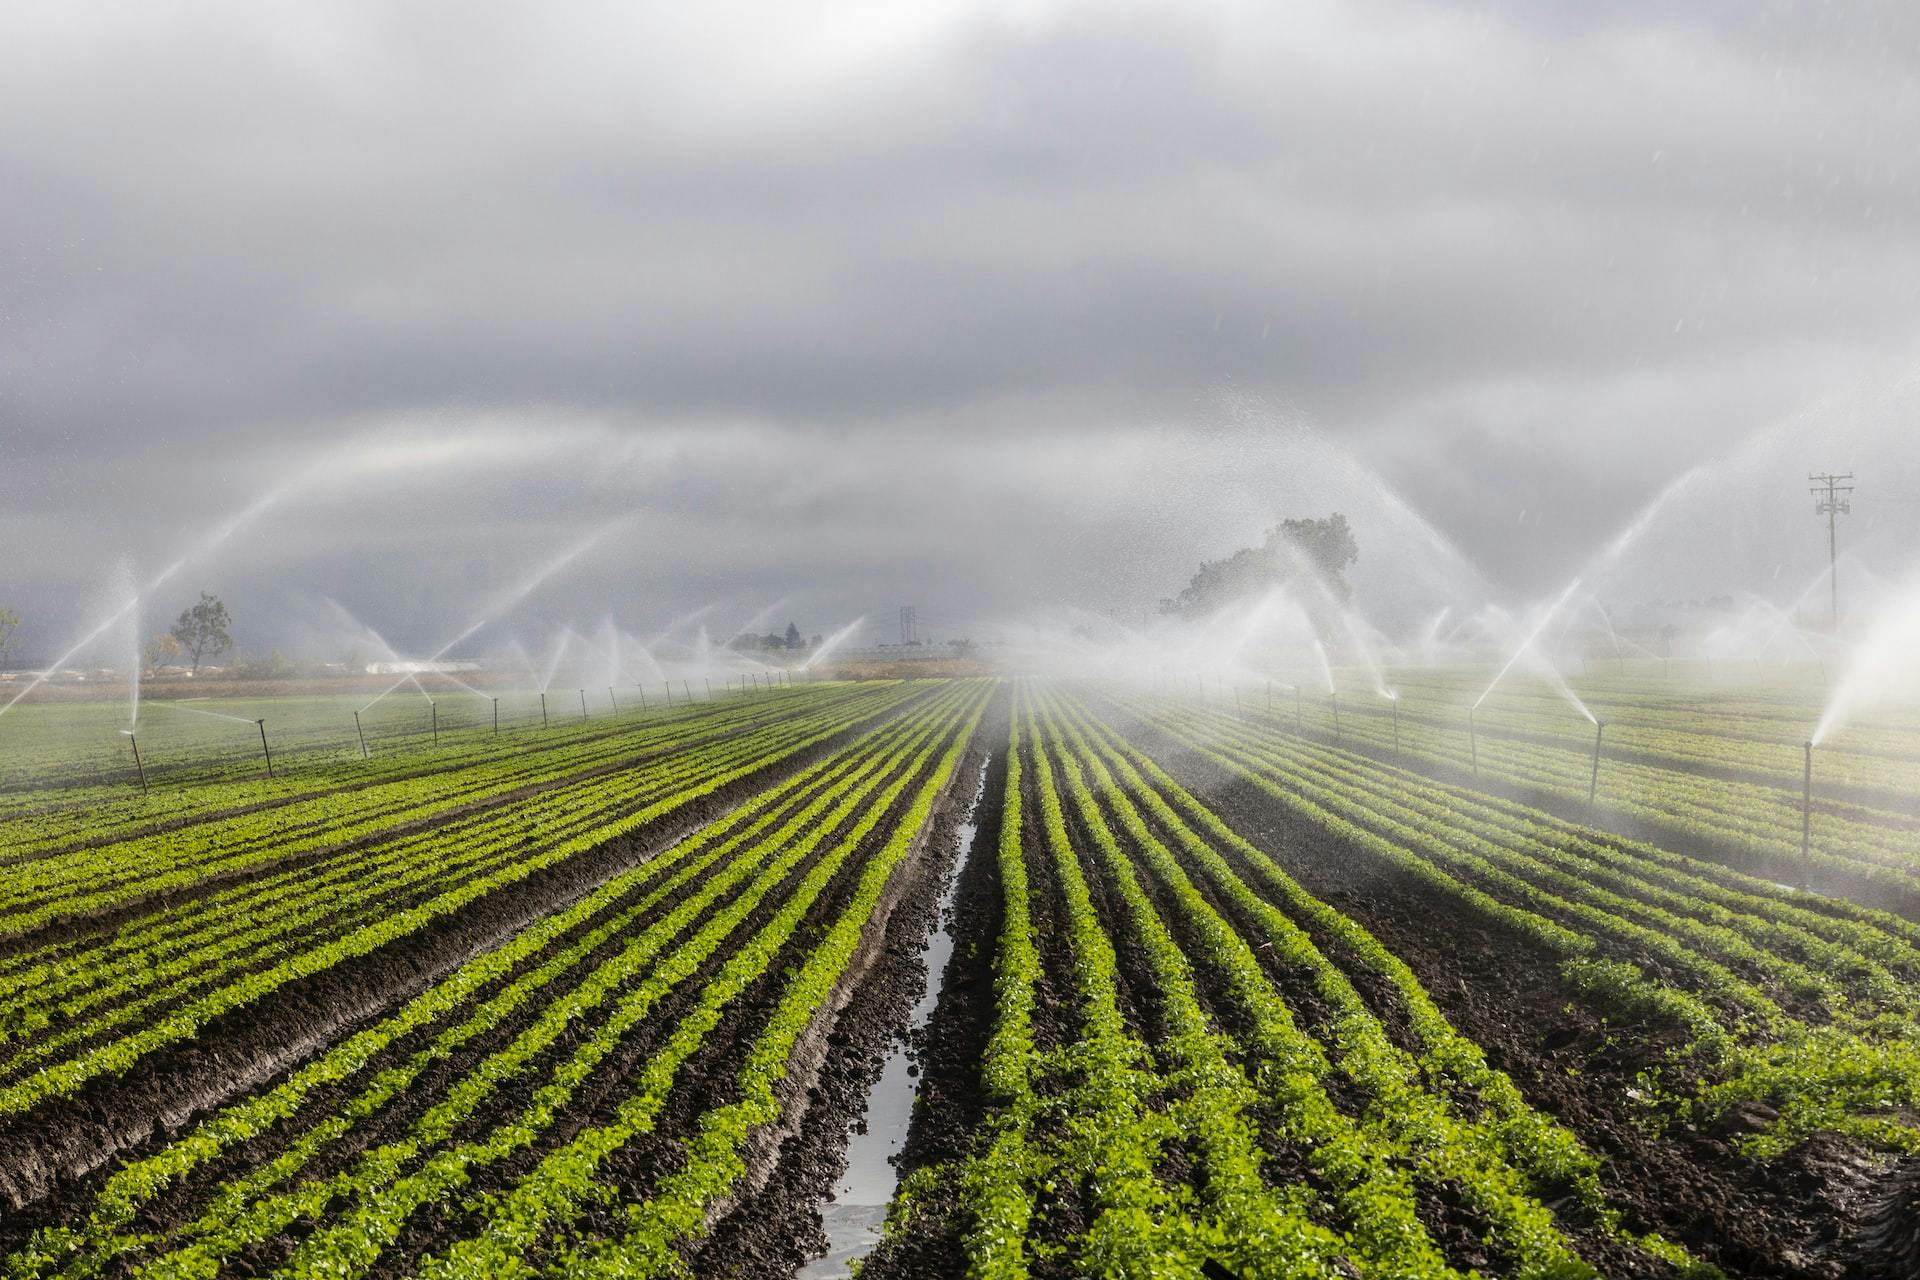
pixel 212 541
pixel 1349 617
pixel 506 600
pixel 832 642
pixel 1526 647
pixel 758 618
pixel 685 620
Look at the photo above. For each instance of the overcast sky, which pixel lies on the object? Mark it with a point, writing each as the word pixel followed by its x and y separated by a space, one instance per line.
pixel 979 306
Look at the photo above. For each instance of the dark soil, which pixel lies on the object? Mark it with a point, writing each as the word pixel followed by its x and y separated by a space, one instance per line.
pixel 777 1227
pixel 1835 881
pixel 952 1107
pixel 84 925
pixel 1789 1217
pixel 392 1121
pixel 59 1142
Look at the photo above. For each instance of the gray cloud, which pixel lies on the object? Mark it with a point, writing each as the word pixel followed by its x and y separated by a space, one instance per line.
pixel 822 278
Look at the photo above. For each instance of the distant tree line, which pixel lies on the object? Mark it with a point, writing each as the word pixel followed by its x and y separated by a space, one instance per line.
pixel 790 639
pixel 1293 551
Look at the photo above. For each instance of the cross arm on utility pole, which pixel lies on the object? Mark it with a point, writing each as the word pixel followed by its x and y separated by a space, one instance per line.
pixel 1828 502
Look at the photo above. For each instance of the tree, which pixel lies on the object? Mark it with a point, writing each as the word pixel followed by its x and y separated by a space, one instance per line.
pixel 202 630
pixel 9 623
pixel 163 650
pixel 1294 549
pixel 793 636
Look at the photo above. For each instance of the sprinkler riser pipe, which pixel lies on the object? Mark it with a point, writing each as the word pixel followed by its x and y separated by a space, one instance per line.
pixel 137 766
pixel 1593 783
pixel 264 749
pixel 435 708
pixel 543 708
pixel 361 734
pixel 583 704
pixel 496 716
pixel 1806 815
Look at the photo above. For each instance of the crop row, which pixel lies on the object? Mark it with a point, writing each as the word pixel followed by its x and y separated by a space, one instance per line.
pixel 64 754
pixel 588 1013
pixel 1704 718
pixel 1806 1003
pixel 1749 819
pixel 1186 1078
pixel 167 976
pixel 173 860
pixel 459 765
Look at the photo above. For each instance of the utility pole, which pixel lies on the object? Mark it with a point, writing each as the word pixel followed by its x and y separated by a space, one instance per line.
pixel 1826 502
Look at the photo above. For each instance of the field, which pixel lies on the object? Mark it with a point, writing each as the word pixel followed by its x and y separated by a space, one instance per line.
pixel 1242 982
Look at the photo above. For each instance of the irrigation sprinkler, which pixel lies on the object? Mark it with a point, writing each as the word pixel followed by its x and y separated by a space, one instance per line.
pixel 543 708
pixel 362 735
pixel 687 691
pixel 1269 696
pixel 643 695
pixel 1806 814
pixel 496 717
pixel 669 688
pixel 1473 742
pixel 708 681
pixel 1299 718
pixel 613 701
pixel 137 766
pixel 264 749
pixel 583 704
pixel 1396 726
pixel 1333 699
pixel 1593 783
pixel 435 708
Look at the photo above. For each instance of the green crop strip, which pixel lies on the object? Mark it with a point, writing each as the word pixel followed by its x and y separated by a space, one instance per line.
pixel 39 892
pixel 139 1182
pixel 1409 1119
pixel 1858 1075
pixel 380 885
pixel 380 1191
pixel 550 1195
pixel 184 1021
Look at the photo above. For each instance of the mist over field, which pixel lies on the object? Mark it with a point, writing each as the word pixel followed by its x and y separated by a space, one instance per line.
pixel 1002 639
pixel 993 309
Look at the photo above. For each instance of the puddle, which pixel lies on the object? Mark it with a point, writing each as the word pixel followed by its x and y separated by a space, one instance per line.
pixel 858 1207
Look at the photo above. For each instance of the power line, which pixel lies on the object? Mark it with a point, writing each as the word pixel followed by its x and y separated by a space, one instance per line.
pixel 1832 507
